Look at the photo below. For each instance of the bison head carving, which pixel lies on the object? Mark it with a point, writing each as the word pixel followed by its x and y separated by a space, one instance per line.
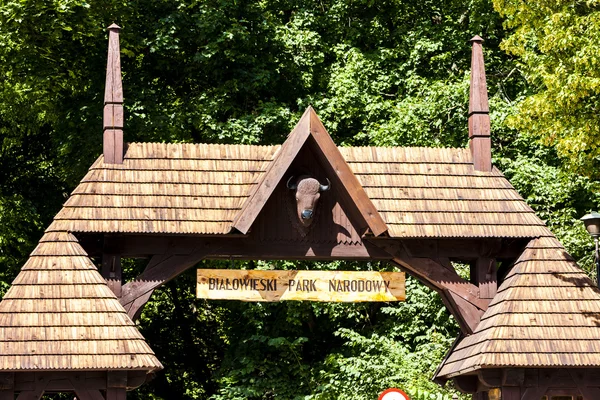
pixel 307 190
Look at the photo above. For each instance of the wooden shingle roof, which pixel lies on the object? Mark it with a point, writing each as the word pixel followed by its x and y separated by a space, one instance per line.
pixel 59 314
pixel 201 189
pixel 545 314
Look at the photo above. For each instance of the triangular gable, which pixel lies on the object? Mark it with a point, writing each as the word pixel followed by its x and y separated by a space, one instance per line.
pixel 309 126
pixel 59 314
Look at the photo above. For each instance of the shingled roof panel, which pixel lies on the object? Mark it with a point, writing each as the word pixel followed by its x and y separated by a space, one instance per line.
pixel 545 314
pixel 61 308
pixel 201 189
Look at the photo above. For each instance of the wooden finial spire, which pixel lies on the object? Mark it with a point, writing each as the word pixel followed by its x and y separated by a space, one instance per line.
pixel 113 101
pixel 479 111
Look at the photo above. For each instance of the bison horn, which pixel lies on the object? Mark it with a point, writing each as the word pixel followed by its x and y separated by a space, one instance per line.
pixel 324 188
pixel 290 185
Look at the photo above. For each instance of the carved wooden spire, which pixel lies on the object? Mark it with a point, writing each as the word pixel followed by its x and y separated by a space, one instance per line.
pixel 113 101
pixel 479 111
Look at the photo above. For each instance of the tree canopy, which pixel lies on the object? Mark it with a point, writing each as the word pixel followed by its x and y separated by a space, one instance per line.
pixel 386 72
pixel 557 46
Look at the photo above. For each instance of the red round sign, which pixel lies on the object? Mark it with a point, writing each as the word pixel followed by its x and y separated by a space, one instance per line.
pixel 393 394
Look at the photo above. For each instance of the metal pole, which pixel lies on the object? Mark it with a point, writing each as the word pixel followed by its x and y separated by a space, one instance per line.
pixel 597 260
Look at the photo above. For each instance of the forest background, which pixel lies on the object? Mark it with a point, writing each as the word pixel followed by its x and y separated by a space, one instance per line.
pixel 378 72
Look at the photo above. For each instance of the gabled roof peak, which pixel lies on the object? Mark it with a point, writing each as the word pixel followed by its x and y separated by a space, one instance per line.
pixel 309 126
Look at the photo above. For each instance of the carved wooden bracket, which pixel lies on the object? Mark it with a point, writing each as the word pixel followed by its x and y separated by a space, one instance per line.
pixel 460 296
pixel 161 269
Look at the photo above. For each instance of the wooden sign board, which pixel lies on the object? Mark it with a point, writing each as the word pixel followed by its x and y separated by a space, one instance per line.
pixel 333 286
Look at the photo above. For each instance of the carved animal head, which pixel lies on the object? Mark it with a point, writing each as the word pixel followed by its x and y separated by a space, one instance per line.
pixel 307 191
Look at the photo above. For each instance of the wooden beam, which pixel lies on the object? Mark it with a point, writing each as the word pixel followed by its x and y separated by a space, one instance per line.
pixel 7 394
pixel 239 247
pixel 513 377
pixel 460 296
pixel 30 395
pixel 466 383
pixel 483 275
pixel 37 386
pixel 111 271
pixel 466 313
pixel 534 393
pixel 512 393
pixel 161 269
pixel 7 380
pixel 136 378
pixel 83 394
pixel 116 394
pixel 492 378
pixel 588 388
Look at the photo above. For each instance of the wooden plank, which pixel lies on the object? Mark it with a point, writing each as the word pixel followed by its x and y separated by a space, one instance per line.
pixel 332 286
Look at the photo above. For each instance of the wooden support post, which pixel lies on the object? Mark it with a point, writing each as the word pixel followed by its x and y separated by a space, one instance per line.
pixel 111 271
pixel 7 394
pixel 479 111
pixel 161 269
pixel 116 394
pixel 38 386
pixel 7 386
pixel 511 393
pixel 83 394
pixel 30 395
pixel 587 387
pixel 116 385
pixel 461 297
pixel 113 101
pixel 484 276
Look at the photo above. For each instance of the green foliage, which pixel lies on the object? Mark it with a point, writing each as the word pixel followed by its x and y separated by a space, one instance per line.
pixel 377 72
pixel 556 43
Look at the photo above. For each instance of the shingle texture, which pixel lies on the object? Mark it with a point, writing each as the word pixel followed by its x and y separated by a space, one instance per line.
pixel 546 314
pixel 59 314
pixel 200 188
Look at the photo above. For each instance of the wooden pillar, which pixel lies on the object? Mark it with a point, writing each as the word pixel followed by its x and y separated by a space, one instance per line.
pixel 7 394
pixel 484 276
pixel 511 393
pixel 116 394
pixel 479 111
pixel 116 385
pixel 111 271
pixel 113 101
pixel 7 386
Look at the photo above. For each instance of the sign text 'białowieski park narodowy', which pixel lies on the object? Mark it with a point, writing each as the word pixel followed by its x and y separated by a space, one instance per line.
pixel 335 286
